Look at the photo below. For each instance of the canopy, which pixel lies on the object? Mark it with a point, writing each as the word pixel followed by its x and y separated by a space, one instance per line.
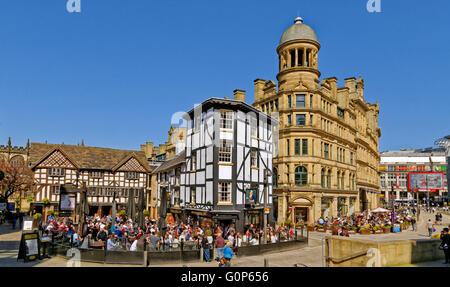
pixel 380 210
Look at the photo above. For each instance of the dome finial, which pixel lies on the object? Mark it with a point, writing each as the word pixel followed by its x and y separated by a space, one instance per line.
pixel 298 20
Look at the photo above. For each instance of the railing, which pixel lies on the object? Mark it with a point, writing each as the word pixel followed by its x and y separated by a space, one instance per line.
pixel 346 258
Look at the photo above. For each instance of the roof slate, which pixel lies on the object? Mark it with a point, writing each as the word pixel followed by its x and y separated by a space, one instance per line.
pixel 86 157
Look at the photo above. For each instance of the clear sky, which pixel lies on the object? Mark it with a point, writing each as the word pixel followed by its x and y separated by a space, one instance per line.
pixel 115 73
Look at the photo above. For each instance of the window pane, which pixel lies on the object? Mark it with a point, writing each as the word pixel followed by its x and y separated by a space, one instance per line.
pixel 300 120
pixel 300 101
pixel 304 146
pixel 297 147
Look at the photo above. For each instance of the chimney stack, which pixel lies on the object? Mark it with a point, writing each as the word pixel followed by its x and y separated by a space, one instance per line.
pixel 259 89
pixel 239 95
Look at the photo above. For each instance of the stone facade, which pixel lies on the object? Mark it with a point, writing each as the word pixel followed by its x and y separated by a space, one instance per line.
pixel 327 163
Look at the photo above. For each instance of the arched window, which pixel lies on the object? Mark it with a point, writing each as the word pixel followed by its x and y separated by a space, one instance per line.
pixel 17 161
pixel 329 179
pixel 301 175
pixel 322 177
pixel 275 177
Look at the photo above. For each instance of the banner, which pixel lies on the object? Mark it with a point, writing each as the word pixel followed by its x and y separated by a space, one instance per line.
pixel 425 181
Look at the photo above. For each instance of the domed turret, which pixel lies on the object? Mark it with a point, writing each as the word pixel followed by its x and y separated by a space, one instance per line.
pixel 298 31
pixel 298 57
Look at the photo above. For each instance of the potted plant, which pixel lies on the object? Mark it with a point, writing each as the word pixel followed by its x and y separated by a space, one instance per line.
pixel 56 214
pixel 335 229
pixel 321 228
pixel 300 225
pixel 351 229
pixel 364 230
pixel 30 199
pixel 146 212
pixel 123 213
pixel 45 201
pixel 377 230
pixel 387 229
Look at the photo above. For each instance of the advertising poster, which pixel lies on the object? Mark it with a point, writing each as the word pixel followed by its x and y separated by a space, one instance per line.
pixel 67 202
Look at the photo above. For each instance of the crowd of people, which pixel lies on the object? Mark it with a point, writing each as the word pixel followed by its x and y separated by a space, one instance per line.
pixel 125 234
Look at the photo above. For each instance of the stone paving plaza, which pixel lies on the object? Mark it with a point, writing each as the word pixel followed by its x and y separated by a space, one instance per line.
pixel 310 256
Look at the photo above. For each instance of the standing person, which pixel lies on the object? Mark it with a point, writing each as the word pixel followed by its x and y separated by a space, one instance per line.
pixel 413 223
pixel 445 245
pixel 430 227
pixel 228 254
pixel 205 246
pixel 220 244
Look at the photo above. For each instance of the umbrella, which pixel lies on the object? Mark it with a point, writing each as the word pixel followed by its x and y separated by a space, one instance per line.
pixel 141 207
pixel 380 210
pixel 84 207
pixel 162 226
pixel 131 205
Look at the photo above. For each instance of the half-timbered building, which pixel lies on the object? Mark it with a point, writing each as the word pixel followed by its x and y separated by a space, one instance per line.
pixel 108 173
pixel 229 147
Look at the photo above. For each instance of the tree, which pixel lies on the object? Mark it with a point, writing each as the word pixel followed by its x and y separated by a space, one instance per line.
pixel 18 178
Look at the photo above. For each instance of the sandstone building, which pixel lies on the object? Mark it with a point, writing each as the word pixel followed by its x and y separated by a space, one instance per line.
pixel 327 163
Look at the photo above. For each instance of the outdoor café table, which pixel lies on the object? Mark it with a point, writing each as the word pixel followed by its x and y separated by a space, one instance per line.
pixel 97 244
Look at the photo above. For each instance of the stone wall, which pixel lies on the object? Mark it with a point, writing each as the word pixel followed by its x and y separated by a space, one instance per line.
pixel 380 254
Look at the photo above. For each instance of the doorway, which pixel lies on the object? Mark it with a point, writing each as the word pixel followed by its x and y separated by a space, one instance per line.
pixel 301 214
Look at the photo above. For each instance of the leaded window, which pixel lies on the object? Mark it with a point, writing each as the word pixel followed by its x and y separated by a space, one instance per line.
pixel 225 150
pixel 224 192
pixel 226 120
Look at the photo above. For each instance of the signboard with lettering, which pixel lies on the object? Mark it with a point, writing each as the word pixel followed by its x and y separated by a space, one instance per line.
pixel 29 246
pixel 425 181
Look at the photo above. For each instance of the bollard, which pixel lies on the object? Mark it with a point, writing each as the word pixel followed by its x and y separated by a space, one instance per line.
pixel 266 262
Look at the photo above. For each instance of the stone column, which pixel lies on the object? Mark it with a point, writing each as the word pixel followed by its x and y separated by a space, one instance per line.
pixel 317 207
pixel 333 208
pixel 296 57
pixel 357 204
pixel 304 57
pixel 288 59
pixel 347 204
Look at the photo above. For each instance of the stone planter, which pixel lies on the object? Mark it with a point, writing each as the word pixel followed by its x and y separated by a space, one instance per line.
pixel 364 232
pixel 386 230
pixel 310 228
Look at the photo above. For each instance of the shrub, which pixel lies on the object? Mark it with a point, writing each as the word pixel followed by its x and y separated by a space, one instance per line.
pixel 30 199
pixel 146 212
pixel 56 213
pixel 37 216
pixel 123 212
pixel 45 201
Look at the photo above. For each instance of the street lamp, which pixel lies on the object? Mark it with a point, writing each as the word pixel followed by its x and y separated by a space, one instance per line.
pixel 445 143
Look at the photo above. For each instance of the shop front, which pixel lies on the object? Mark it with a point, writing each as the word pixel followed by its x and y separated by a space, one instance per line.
pixel 225 218
pixel 198 217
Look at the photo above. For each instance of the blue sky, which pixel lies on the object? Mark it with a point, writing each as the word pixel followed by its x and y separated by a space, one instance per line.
pixel 115 73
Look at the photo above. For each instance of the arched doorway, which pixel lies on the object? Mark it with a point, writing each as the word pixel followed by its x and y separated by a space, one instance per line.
pixel 301 210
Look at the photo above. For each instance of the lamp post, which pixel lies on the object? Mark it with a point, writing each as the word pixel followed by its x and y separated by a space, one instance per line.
pixel 445 143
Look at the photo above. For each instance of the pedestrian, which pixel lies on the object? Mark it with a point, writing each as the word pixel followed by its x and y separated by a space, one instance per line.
pixel 205 246
pixel 445 244
pixel 430 227
pixel 220 244
pixel 228 254
pixel 413 223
